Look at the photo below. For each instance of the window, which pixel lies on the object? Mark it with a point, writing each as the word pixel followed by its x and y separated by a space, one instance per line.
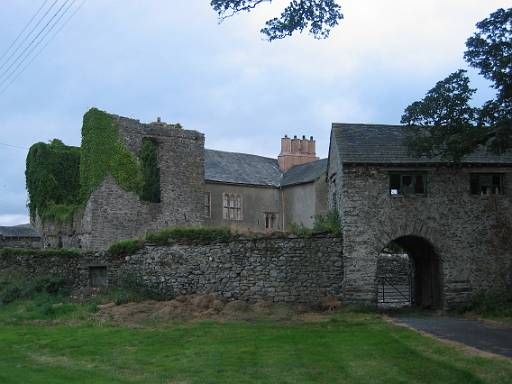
pixel 401 184
pixel 232 207
pixel 486 183
pixel 208 204
pixel 270 220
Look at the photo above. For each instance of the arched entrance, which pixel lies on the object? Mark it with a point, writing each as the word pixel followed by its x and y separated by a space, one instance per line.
pixel 408 273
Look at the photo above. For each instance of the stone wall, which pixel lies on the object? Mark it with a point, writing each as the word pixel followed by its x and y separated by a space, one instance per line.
pixel 468 232
pixel 274 269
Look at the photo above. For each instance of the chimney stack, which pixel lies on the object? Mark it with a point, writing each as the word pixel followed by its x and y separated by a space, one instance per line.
pixel 296 151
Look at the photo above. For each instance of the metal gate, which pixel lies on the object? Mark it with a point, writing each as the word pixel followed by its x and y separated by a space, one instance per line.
pixel 394 290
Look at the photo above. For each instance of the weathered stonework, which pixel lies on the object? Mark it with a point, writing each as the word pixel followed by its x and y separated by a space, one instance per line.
pixel 466 231
pixel 295 270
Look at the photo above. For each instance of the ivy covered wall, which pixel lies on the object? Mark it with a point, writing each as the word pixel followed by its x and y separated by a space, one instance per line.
pixel 61 178
pixel 52 178
pixel 103 153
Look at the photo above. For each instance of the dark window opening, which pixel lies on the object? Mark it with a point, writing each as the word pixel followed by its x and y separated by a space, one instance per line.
pixel 486 184
pixel 270 220
pixel 98 277
pixel 407 184
pixel 150 171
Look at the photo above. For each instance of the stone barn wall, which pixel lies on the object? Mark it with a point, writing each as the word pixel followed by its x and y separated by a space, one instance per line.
pixel 291 270
pixel 468 232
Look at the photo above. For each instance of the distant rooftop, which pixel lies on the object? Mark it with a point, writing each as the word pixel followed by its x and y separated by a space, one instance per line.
pixel 379 144
pixel 24 230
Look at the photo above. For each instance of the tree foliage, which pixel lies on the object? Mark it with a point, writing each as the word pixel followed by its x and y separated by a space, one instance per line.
pixel 52 176
pixel 444 123
pixel 318 16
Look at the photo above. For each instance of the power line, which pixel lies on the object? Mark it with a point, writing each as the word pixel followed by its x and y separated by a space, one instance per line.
pixel 27 36
pixel 13 146
pixel 30 46
pixel 2 90
pixel 23 30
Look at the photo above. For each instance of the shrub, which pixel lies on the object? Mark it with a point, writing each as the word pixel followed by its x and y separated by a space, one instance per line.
pixel 299 230
pixel 126 247
pixel 9 294
pixel 328 223
pixel 490 304
pixel 189 234
pixel 28 290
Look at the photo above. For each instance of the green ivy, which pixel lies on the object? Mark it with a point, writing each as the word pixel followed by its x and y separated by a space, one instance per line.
pixel 99 136
pixel 103 153
pixel 59 212
pixel 61 178
pixel 150 171
pixel 52 176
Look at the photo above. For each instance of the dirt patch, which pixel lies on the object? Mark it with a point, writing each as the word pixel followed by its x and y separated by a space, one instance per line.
pixel 206 307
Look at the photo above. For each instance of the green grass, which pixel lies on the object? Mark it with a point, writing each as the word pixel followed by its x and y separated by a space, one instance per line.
pixel 350 348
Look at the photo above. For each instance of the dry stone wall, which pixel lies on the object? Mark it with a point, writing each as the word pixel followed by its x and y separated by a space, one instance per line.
pixel 294 270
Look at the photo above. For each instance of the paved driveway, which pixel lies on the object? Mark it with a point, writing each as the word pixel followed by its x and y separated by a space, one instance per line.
pixel 476 334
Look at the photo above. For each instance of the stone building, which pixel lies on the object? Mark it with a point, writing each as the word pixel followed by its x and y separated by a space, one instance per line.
pixel 199 186
pixel 452 220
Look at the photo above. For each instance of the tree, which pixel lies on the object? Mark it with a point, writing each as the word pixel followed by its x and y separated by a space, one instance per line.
pixel 320 16
pixel 444 124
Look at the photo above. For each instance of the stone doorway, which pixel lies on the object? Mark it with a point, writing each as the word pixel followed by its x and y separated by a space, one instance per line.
pixel 408 273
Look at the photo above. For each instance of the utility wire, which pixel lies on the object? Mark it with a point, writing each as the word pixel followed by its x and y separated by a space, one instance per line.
pixel 23 30
pixel 13 146
pixel 2 90
pixel 27 36
pixel 22 55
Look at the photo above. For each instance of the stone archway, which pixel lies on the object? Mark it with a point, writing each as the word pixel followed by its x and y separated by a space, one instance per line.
pixel 420 278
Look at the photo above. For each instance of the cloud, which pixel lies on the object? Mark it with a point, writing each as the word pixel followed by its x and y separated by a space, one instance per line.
pixel 8 220
pixel 172 59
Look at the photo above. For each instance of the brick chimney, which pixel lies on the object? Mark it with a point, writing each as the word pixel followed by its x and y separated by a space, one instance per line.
pixel 296 151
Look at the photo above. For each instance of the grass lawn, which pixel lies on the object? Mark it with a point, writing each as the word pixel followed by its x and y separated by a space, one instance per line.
pixel 348 348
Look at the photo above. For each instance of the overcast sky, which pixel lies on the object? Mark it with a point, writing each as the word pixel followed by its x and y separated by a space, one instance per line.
pixel 171 58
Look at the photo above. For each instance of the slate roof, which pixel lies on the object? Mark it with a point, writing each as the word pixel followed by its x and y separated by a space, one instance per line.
pixel 24 230
pixel 304 173
pixel 383 144
pixel 241 168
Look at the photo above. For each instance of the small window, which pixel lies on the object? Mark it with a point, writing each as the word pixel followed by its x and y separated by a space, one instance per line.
pixel 401 184
pixel 270 220
pixel 208 204
pixel 232 209
pixel 98 277
pixel 486 184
